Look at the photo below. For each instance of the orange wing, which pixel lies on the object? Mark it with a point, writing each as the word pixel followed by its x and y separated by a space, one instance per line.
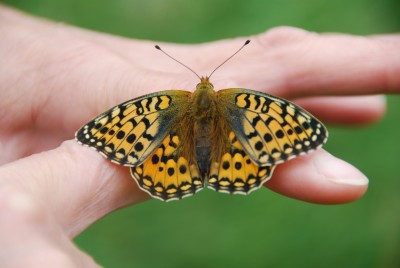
pixel 235 173
pixel 128 133
pixel 167 174
pixel 270 129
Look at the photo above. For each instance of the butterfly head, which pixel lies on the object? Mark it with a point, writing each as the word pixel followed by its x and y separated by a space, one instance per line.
pixel 205 84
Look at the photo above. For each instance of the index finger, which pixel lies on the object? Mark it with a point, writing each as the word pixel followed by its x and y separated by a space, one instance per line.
pixel 310 64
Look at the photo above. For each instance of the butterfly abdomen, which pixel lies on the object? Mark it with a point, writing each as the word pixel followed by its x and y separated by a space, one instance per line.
pixel 203 147
pixel 204 115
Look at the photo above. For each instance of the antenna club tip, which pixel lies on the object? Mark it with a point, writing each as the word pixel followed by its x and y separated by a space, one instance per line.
pixel 247 42
pixel 158 47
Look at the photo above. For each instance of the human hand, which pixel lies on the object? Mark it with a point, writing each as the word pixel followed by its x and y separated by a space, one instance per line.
pixel 57 77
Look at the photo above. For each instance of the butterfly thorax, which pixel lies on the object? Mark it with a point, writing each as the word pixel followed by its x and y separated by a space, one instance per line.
pixel 203 101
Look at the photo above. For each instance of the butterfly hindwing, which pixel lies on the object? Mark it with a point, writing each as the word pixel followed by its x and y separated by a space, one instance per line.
pixel 235 173
pixel 270 129
pixel 167 174
pixel 128 133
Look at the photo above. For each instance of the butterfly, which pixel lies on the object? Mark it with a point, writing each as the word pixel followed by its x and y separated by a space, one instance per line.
pixel 176 142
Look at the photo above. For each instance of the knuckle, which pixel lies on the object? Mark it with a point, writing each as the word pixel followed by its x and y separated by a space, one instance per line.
pixel 281 35
pixel 20 206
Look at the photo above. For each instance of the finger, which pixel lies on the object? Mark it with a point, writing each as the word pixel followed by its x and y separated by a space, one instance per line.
pixel 77 184
pixel 291 62
pixel 18 144
pixel 22 218
pixel 63 84
pixel 351 111
pixel 306 64
pixel 319 178
pixel 394 38
pixel 285 61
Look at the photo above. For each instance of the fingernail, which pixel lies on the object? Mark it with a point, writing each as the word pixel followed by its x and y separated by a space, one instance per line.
pixel 339 171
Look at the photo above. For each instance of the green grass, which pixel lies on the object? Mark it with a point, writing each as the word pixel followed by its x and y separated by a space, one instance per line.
pixel 263 229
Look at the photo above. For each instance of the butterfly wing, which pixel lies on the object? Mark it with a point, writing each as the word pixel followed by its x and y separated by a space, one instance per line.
pixel 128 133
pixel 235 173
pixel 168 174
pixel 270 129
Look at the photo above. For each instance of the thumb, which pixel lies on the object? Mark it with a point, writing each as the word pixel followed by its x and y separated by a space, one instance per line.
pixel 73 183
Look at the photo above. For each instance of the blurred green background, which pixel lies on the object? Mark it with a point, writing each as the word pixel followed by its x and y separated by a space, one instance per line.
pixel 263 229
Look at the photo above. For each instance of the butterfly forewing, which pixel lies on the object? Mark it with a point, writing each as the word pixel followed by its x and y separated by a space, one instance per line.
pixel 270 129
pixel 128 133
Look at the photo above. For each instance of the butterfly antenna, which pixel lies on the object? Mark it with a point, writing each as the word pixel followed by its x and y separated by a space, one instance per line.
pixel 184 65
pixel 245 43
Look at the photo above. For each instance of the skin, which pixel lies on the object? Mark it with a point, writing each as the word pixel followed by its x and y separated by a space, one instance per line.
pixel 56 77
